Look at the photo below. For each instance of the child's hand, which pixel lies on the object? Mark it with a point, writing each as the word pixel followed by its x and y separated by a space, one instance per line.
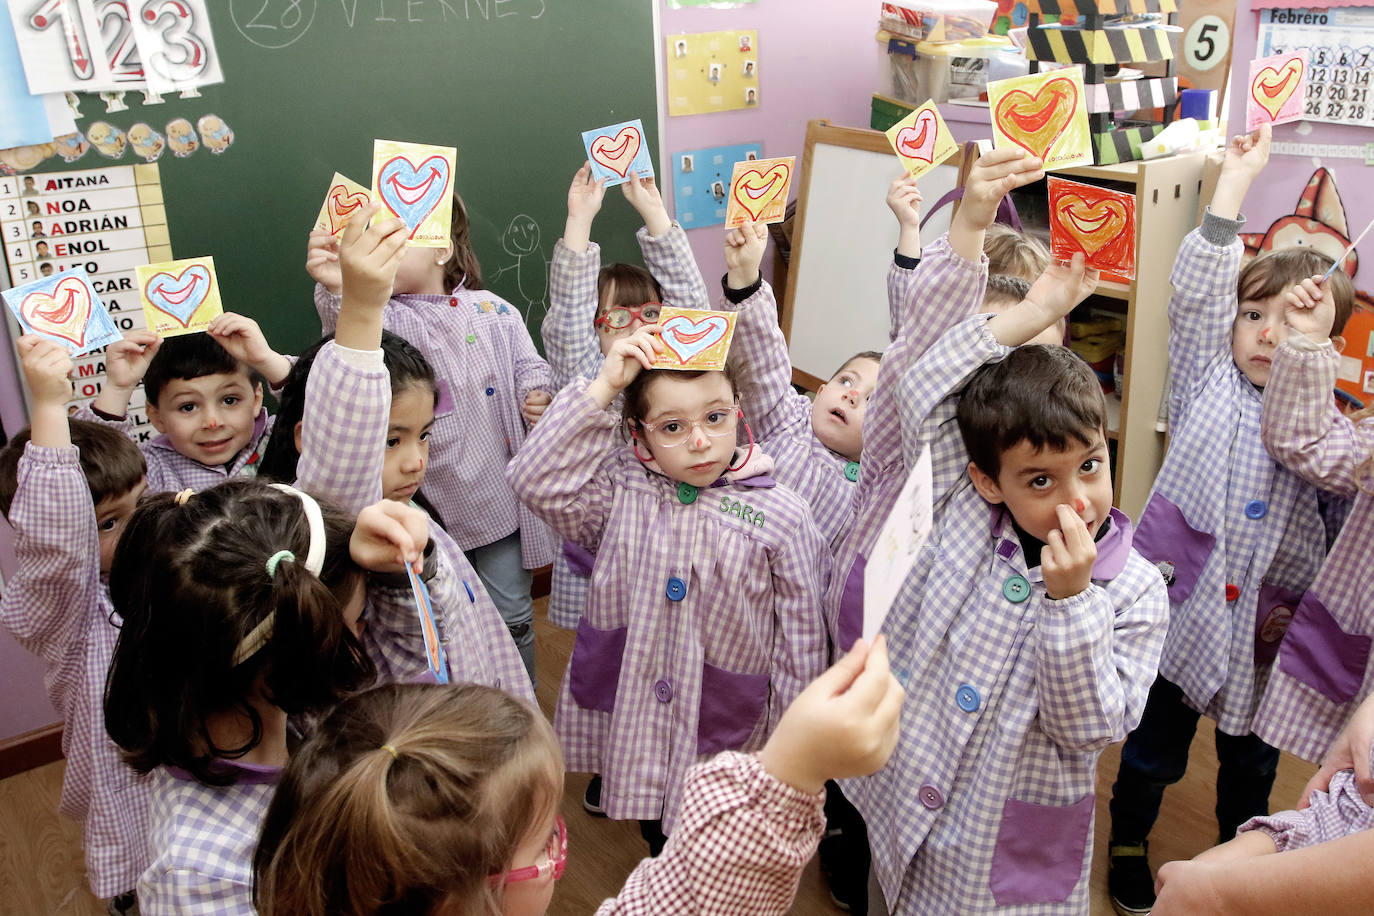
pixel 585 195
pixel 368 257
pixel 993 176
pixel 1349 751
pixel 1068 557
pixel 1245 158
pixel 629 355
pixel 388 536
pixel 643 195
pixel 1063 286
pixel 127 360
pixel 1310 308
pixel 535 403
pixel 47 367
pixel 844 724
pixel 744 248
pixel 241 336
pixel 904 200
pixel 322 260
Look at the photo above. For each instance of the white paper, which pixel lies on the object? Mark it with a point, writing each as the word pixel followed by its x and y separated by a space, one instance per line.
pixel 898 544
pixel 60 119
pixel 58 50
pixel 175 44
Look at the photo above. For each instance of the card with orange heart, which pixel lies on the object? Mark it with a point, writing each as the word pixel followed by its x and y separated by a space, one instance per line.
pixel 65 309
pixel 695 339
pixel 179 297
pixel 758 190
pixel 922 140
pixel 1278 88
pixel 345 198
pixel 1096 221
pixel 1045 114
pixel 618 150
pixel 415 182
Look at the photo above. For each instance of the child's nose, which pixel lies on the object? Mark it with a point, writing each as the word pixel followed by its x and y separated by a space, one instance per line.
pixel 212 420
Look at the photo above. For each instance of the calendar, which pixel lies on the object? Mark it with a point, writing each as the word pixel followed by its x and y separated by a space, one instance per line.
pixel 1341 45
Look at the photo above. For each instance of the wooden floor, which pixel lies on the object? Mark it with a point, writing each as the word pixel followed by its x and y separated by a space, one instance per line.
pixel 41 869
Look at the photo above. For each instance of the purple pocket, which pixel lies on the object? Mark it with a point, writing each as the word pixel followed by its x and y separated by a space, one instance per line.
pixel 1323 656
pixel 1039 853
pixel 443 400
pixel 1273 615
pixel 594 669
pixel 580 559
pixel 731 706
pixel 850 624
pixel 1165 538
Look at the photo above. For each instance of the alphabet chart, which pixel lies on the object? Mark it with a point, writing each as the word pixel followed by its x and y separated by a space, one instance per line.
pixel 1341 45
pixel 105 222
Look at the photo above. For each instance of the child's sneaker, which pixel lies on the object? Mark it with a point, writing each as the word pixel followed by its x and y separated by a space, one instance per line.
pixel 1129 881
pixel 591 800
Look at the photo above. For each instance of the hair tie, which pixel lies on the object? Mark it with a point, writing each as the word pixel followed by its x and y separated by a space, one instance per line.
pixel 276 558
pixel 183 496
pixel 390 750
pixel 314 557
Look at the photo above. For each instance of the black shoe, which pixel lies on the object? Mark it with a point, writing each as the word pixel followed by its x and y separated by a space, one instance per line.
pixel 843 853
pixel 591 799
pixel 1129 881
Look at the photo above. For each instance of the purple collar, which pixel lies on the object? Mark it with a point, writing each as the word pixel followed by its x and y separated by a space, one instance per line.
pixel 244 774
pixel 1112 551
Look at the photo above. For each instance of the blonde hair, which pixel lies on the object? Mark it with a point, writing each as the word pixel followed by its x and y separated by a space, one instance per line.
pixel 407 799
pixel 1014 254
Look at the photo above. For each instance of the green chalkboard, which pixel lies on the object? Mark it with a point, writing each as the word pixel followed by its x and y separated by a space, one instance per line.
pixel 310 83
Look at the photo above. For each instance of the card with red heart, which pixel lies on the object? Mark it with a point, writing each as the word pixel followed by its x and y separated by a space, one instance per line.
pixel 618 150
pixel 64 308
pixel 695 339
pixel 179 297
pixel 345 198
pixel 415 182
pixel 922 140
pixel 758 190
pixel 1045 114
pixel 1096 221
pixel 1278 88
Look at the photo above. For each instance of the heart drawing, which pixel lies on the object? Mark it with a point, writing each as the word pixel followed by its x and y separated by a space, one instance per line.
pixel 413 192
pixel 918 141
pixel 1035 122
pixel 342 206
pixel 181 295
pixel 1273 88
pixel 616 153
pixel 688 338
pixel 65 313
pixel 1094 225
pixel 756 191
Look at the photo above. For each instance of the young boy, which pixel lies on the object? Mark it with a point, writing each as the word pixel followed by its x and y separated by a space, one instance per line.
pixel 67 492
pixel 204 397
pixel 1026 634
pixel 1237 537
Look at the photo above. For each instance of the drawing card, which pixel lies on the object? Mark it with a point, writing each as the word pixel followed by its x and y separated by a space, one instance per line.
pixel 1278 88
pixel 695 339
pixel 1045 114
pixel 618 150
pixel 1096 221
pixel 179 297
pixel 434 648
pixel 65 309
pixel 701 182
pixel 345 198
pixel 922 140
pixel 415 182
pixel 898 545
pixel 758 191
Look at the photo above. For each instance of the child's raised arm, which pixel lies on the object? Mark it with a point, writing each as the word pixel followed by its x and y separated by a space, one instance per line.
pixel 47 368
pixel 568 330
pixel 642 193
pixel 368 259
pixel 585 195
pixel 904 200
pixel 126 362
pixel 1054 294
pixel 241 337
pixel 664 246
pixel 994 175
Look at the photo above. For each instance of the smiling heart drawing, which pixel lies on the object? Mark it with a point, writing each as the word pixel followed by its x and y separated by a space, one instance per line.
pixel 688 338
pixel 1035 122
pixel 618 152
pixel 1094 225
pixel 180 295
pixel 342 206
pixel 1272 88
pixel 755 191
pixel 413 192
pixel 64 314
pixel 918 141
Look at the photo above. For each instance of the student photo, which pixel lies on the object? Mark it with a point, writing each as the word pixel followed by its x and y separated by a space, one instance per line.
pixel 687 165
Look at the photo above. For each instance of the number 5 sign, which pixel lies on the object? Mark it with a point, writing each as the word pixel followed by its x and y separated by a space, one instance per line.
pixel 1205 58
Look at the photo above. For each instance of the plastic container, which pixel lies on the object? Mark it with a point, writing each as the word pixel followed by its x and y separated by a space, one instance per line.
pixel 938 20
pixel 940 71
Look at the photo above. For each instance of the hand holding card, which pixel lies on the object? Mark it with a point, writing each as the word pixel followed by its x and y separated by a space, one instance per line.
pixel 179 297
pixel 694 339
pixel 65 309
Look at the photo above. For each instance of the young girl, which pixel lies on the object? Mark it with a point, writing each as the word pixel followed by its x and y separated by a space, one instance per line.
pixel 490 381
pixel 237 605
pixel 703 619
pixel 428 800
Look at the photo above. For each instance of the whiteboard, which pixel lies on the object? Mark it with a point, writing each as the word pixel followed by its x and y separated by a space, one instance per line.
pixel 842 248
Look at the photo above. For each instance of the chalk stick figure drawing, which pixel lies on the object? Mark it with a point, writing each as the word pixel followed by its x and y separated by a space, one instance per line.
pixel 530 282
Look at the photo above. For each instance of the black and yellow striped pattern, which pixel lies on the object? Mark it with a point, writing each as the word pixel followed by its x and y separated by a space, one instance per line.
pixel 1123 143
pixel 1100 7
pixel 1100 46
pixel 1130 95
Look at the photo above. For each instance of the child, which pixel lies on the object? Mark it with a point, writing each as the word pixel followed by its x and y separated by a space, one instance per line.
pixel 491 382
pixel 68 490
pixel 238 607
pixel 444 799
pixel 1028 628
pixel 1237 537
pixel 703 619
pixel 204 397
pixel 1014 254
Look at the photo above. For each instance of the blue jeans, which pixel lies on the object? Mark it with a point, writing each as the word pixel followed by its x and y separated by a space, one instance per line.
pixel 502 570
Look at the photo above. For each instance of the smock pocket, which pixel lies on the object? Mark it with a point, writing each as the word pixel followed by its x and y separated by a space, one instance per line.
pixel 1273 615
pixel 849 624
pixel 1039 853
pixel 580 559
pixel 731 706
pixel 594 670
pixel 1175 547
pixel 1323 656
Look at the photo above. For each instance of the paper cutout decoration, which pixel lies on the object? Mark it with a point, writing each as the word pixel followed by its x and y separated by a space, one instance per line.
pixel 1096 221
pixel 618 150
pixel 435 656
pixel 64 308
pixel 922 140
pixel 179 297
pixel 415 182
pixel 898 545
pixel 345 198
pixel 758 191
pixel 695 339
pixel 1044 113
pixel 1278 88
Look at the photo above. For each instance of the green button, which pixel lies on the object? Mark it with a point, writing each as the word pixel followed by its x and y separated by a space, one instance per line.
pixel 472 338
pixel 686 494
pixel 1016 588
pixel 851 471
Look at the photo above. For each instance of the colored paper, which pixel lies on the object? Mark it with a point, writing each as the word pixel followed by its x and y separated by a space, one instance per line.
pixel 618 150
pixel 434 648
pixel 712 71
pixel 65 309
pixel 24 118
pixel 1044 113
pixel 1096 221
pixel 1278 88
pixel 345 198
pixel 179 297
pixel 898 545
pixel 922 140
pixel 758 191
pixel 695 339
pixel 701 182
pixel 415 182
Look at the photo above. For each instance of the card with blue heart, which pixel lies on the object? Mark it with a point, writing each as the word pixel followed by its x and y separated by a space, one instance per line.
pixel 618 150
pixel 179 297
pixel 414 181
pixel 695 339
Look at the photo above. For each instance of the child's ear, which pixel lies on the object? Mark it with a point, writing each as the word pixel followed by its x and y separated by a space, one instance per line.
pixel 257 397
pixel 296 435
pixel 985 485
pixel 155 417
pixel 447 255
pixel 1338 342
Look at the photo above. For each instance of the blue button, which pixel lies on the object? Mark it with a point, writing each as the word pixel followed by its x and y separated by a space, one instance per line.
pixel 902 675
pixel 1016 589
pixel 967 697
pixel 686 494
pixel 1256 509
pixel 851 471
pixel 663 691
pixel 676 590
pixel 490 391
pixel 930 797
